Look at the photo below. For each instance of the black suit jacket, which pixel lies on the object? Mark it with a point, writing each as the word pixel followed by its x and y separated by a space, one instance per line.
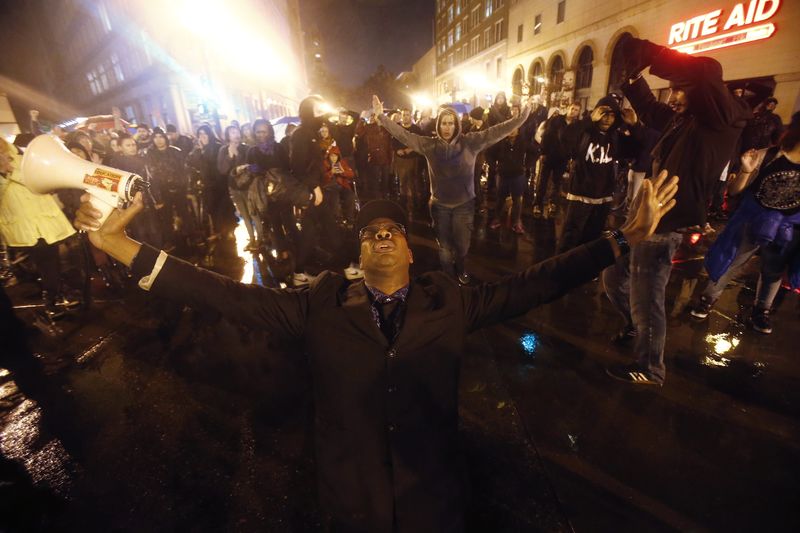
pixel 386 415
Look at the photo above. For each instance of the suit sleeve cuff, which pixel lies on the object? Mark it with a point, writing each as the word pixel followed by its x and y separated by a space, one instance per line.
pixel 147 264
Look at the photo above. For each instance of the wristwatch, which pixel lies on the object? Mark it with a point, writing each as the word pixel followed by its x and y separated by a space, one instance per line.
pixel 619 238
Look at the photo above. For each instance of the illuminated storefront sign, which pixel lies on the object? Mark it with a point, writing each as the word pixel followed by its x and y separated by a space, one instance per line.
pixel 746 22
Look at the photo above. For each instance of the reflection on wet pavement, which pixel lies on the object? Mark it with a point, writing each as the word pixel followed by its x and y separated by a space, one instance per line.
pixel 190 423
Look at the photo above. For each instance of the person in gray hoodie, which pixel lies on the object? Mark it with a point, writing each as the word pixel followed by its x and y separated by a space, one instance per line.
pixel 451 166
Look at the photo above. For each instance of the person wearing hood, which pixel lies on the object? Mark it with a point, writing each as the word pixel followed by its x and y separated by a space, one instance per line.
pixel 165 166
pixel 698 128
pixel 215 186
pixel 553 160
pixel 451 167
pixel 306 158
pixel 499 112
pixel 594 146
pixel 338 184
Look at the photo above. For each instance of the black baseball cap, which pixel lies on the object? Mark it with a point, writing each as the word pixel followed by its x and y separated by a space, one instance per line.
pixel 381 209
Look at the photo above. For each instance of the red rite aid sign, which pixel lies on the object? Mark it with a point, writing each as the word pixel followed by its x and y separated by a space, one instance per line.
pixel 746 22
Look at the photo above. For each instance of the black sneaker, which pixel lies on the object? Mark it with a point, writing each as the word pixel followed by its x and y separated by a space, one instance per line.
pixel 759 321
pixel 632 374
pixel 702 308
pixel 625 336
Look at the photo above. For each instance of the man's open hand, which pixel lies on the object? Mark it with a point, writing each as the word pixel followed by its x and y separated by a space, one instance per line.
pixel 655 199
pixel 377 105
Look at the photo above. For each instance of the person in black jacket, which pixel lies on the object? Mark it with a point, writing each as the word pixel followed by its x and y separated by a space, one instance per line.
pixel 203 159
pixel 594 146
pixel 510 158
pixel 554 160
pixel 384 353
pixel 306 157
pixel 343 131
pixel 699 127
pixel 165 166
pixel 764 129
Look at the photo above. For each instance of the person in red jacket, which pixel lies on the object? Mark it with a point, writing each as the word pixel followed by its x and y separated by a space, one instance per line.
pixel 337 185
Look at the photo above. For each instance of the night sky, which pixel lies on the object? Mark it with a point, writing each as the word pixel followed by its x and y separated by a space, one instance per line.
pixel 359 35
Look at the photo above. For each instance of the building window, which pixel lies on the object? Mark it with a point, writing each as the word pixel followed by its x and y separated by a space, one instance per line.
pixel 562 7
pixel 458 7
pixel 499 73
pixel 117 68
pixel 449 38
pixel 458 32
pixel 475 46
pixel 475 17
pixel 450 14
pixel 487 37
pixel 499 34
pixel 537 79
pixel 583 79
pixel 94 86
pixel 520 33
pixel 102 76
pixel 537 24
pixel 489 6
pixel 556 73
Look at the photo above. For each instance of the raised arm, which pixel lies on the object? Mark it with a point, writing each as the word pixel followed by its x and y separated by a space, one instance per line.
pixel 411 140
pixel 279 311
pixel 652 112
pixel 480 140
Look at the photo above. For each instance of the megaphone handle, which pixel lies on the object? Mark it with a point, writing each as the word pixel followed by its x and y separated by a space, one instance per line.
pixel 102 206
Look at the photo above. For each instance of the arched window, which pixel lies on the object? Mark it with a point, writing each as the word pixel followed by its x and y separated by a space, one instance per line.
pixel 536 80
pixel 556 73
pixel 616 76
pixel 583 78
pixel 516 81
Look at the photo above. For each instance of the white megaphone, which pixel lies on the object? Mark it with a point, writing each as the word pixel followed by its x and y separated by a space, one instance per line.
pixel 48 165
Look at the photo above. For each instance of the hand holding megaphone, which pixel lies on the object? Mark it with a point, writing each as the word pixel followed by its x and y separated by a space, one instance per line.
pixel 47 166
pixel 89 219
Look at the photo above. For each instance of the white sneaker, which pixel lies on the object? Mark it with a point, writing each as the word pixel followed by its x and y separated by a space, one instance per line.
pixel 353 273
pixel 300 279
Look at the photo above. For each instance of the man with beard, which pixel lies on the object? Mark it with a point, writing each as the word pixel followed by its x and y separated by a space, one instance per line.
pixel 699 127
pixel 384 352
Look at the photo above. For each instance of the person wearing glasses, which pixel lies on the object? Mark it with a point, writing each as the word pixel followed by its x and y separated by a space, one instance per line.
pixel 384 352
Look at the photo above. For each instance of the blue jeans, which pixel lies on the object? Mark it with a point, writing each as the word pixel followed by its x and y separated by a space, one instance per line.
pixel 453 229
pixel 635 285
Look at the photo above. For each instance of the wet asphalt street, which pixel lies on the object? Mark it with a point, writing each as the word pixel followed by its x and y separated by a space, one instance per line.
pixel 143 416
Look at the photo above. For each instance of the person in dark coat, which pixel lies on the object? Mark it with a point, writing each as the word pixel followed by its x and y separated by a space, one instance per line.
pixel 384 353
pixel 232 162
pixel 594 145
pixel 179 141
pixel 764 129
pixel 510 158
pixel 203 159
pixel 306 159
pixel 165 166
pixel 147 227
pixel 699 127
pixel 554 160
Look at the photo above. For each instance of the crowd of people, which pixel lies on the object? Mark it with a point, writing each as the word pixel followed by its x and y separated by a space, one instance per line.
pixel 298 197
pixel 325 187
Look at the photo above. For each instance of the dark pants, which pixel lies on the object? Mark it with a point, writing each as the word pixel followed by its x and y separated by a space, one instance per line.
pixel 281 225
pixel 45 257
pixel 635 285
pixel 582 223
pixel 319 230
pixel 453 229
pixel 378 181
pixel 341 201
pixel 408 174
pixel 552 171
pixel 515 187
